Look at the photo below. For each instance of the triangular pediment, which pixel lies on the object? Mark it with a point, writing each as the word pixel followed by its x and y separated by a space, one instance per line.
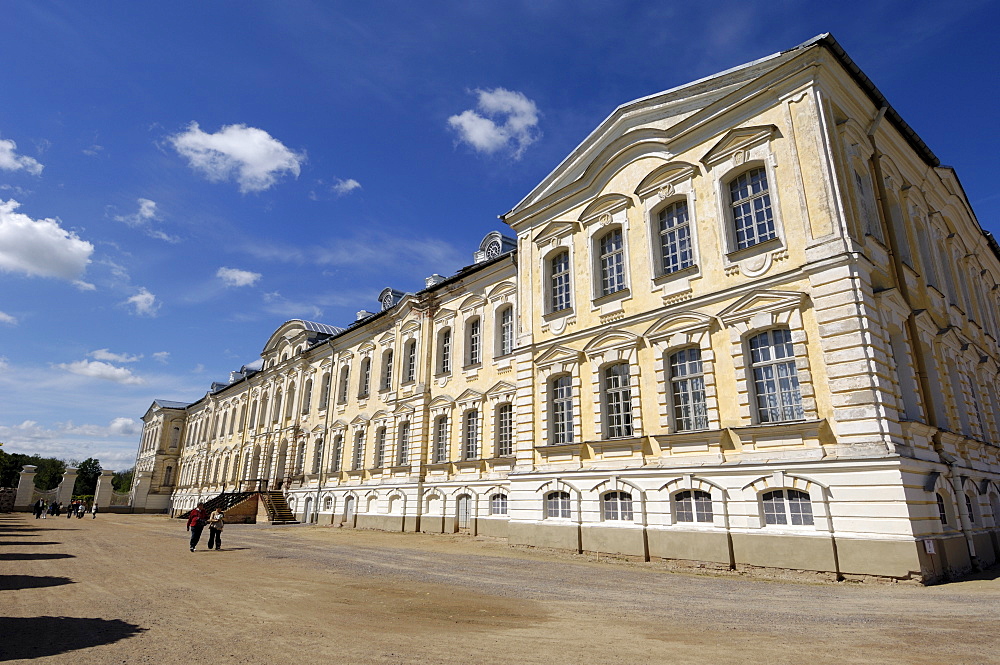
pixel 678 323
pixel 444 314
pixel 558 354
pixel 556 229
pixel 614 339
pixel 761 302
pixel 737 140
pixel 409 326
pixel 441 401
pixel 380 415
pixel 339 422
pixel 501 387
pixel 470 395
pixel 360 419
pixel 402 409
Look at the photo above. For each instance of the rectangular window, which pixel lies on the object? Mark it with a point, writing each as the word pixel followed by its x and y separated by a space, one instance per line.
pixel 560 282
pixel 403 455
pixel 441 440
pixel 562 410
pixel 475 355
pixel 776 381
pixel 345 381
pixel 411 361
pixel 359 451
pixel 379 448
pixel 387 370
pixel 498 504
pixel 505 430
pixel 612 255
pixel 470 436
pixel 618 401
pixel 675 238
pixel 687 389
pixel 557 505
pixel 338 445
pixel 507 331
pixel 751 209
pixel 445 365
pixel 366 377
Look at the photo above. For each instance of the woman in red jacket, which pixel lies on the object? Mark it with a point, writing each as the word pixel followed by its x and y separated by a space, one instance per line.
pixel 197 519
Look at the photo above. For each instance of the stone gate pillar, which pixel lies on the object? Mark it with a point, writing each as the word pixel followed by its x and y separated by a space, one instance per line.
pixel 140 489
pixel 65 494
pixel 102 495
pixel 25 488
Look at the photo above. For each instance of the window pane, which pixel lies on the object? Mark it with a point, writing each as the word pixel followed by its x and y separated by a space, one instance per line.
pixel 618 401
pixel 751 207
pixel 562 410
pixel 774 507
pixel 560 282
pixel 800 507
pixel 612 256
pixel 675 238
pixel 505 430
pixel 776 382
pixel 703 506
pixel 688 390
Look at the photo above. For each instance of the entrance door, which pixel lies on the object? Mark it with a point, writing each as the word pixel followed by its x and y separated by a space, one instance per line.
pixel 463 511
pixel 307 511
pixel 349 510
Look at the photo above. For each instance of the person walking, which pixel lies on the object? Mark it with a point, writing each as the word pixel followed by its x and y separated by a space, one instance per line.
pixel 81 510
pixel 70 510
pixel 93 511
pixel 197 519
pixel 215 524
pixel 39 506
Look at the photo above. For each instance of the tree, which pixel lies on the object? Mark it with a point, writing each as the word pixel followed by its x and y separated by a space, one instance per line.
pixel 88 471
pixel 122 480
pixel 49 473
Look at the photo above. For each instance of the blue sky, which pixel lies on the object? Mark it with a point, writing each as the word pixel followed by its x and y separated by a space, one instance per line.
pixel 178 179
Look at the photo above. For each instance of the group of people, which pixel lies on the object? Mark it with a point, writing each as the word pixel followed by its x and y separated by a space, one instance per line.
pixel 56 508
pixel 198 519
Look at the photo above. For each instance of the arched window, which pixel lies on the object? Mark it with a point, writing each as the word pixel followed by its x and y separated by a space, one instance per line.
pixel 222 425
pixel 505 430
pixel 300 458
pixel 379 448
pixel 317 456
pixel 263 411
pixel 403 448
pixel 338 446
pixel 290 403
pixel 505 326
pixel 324 395
pixel 345 382
pixel 617 401
pixel 611 255
pixel 473 342
pixel 444 351
pixel 676 251
pixel 557 505
pixel 307 396
pixel 617 506
pixel 687 390
pixel 359 450
pixel 168 475
pixel 364 386
pixel 440 439
pixel 942 510
pixel 470 435
pixel 276 410
pixel 560 282
pixel 387 370
pixel 970 508
pixel 498 504
pixel 693 506
pixel 787 507
pixel 750 201
pixel 562 409
pixel 776 381
pixel 410 369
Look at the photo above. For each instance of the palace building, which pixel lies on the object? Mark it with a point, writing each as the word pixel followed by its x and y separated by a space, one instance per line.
pixel 749 322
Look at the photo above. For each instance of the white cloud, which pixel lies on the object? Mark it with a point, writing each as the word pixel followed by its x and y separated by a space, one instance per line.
pixel 237 277
pixel 8 319
pixel 105 354
pixel 11 161
pixel 4 363
pixel 113 445
pixel 161 357
pixel 124 427
pixel 96 369
pixel 40 247
pixel 144 218
pixel 342 187
pixel 250 156
pixel 144 302
pixel 505 119
pixel 93 150
pixel 84 286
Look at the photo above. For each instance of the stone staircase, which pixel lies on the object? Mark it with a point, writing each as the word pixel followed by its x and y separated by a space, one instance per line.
pixel 277 508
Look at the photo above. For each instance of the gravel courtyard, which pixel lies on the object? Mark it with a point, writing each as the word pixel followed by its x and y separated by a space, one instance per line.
pixel 125 589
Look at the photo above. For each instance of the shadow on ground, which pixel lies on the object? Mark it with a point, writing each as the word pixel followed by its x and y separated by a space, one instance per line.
pixel 12 582
pixel 30 556
pixel 30 542
pixel 38 637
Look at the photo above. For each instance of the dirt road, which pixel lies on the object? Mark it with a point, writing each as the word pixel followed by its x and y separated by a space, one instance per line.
pixel 125 589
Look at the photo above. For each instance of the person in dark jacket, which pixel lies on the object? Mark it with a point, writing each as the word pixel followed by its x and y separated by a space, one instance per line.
pixel 39 507
pixel 197 519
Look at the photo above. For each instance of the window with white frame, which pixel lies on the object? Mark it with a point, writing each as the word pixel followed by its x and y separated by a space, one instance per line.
pixel 693 506
pixel 617 506
pixel 410 364
pixel 379 448
pixel 473 342
pixel 687 390
pixel 611 256
pixel 787 507
pixel 866 202
pixel 307 396
pixel 505 430
pixel 324 395
pixel 676 249
pixel 387 370
pixel 345 380
pixel 557 505
pixel 276 407
pixel 300 458
pixel 506 336
pixel 750 204
pixel 317 456
pixel 444 351
pixel 403 452
pixel 560 282
pixel 617 401
pixel 338 447
pixel 364 385
pixel 498 504
pixel 289 403
pixel 775 379
pixel 440 439
pixel 358 458
pixel 470 435
pixel 562 409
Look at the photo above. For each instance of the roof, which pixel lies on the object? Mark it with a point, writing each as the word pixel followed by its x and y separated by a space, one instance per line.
pixel 324 328
pixel 168 404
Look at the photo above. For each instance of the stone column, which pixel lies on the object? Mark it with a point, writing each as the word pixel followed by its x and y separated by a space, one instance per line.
pixel 140 489
pixel 65 494
pixel 25 488
pixel 102 496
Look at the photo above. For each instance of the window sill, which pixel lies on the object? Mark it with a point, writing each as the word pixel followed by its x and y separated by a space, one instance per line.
pixel 666 277
pixel 753 250
pixel 557 314
pixel 611 297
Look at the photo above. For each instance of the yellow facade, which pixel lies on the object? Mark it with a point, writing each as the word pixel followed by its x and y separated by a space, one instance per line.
pixel 748 322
